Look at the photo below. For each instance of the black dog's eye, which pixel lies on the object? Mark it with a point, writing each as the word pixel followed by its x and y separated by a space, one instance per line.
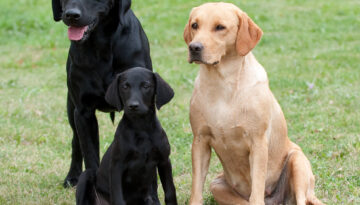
pixel 194 26
pixel 219 27
pixel 125 86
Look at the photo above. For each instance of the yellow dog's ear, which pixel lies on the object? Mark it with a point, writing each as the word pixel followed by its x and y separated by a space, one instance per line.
pixel 248 34
pixel 187 34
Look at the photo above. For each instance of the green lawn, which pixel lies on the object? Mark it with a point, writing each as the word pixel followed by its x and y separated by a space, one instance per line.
pixel 310 49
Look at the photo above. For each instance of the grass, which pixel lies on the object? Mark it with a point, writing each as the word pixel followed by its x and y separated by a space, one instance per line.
pixel 310 49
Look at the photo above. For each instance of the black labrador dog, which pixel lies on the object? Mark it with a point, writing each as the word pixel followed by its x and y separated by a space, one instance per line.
pixel 140 146
pixel 106 39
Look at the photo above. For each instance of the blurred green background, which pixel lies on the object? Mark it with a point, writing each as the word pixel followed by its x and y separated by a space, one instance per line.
pixel 310 49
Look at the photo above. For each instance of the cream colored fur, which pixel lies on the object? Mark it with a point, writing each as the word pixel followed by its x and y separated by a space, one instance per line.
pixel 234 112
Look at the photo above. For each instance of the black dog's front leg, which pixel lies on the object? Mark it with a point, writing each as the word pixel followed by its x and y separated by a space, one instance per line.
pixel 88 133
pixel 116 191
pixel 76 156
pixel 165 172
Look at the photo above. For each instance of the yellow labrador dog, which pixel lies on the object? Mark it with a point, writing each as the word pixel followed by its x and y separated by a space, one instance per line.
pixel 234 112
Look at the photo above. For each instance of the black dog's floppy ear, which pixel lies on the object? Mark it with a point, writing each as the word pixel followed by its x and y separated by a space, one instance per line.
pixel 124 6
pixel 57 10
pixel 164 93
pixel 112 95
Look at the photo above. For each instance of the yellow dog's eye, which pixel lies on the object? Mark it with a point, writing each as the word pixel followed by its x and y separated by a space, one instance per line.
pixel 219 27
pixel 194 25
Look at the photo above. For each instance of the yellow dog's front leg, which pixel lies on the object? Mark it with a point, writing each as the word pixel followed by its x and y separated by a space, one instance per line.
pixel 201 153
pixel 258 169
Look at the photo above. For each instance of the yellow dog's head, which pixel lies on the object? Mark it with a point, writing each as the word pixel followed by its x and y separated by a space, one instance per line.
pixel 218 29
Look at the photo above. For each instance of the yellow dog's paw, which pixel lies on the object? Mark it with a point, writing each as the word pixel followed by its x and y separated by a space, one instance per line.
pixel 195 202
pixel 256 202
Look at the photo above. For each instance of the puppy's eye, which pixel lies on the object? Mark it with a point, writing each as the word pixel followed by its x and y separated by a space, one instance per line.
pixel 194 26
pixel 219 27
pixel 146 86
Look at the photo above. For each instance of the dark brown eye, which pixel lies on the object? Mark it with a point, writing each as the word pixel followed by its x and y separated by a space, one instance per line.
pixel 125 86
pixel 219 27
pixel 146 85
pixel 194 26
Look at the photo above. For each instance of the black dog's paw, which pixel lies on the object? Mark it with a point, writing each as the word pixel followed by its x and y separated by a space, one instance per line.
pixel 70 181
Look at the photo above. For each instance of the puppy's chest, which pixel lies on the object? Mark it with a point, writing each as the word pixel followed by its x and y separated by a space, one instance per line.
pixel 142 152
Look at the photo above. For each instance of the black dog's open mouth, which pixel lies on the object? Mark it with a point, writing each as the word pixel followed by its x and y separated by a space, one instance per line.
pixel 80 33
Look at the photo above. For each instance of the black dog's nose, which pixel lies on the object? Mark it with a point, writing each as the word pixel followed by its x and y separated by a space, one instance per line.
pixel 134 105
pixel 73 14
pixel 196 47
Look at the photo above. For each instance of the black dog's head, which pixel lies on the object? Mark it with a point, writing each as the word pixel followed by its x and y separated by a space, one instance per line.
pixel 82 16
pixel 137 91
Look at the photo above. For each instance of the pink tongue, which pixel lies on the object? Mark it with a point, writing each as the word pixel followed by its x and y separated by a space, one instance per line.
pixel 76 33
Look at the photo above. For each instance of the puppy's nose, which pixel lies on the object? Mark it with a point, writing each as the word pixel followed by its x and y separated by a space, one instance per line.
pixel 133 105
pixel 73 14
pixel 196 47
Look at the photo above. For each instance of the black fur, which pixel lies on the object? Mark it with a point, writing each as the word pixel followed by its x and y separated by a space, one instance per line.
pixel 129 167
pixel 114 42
pixel 163 92
pixel 57 10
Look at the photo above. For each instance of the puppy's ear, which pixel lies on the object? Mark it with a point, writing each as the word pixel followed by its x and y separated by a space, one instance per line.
pixel 187 33
pixel 124 6
pixel 248 34
pixel 112 95
pixel 57 10
pixel 164 93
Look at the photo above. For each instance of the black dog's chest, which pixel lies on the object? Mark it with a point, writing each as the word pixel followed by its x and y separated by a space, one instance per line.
pixel 88 88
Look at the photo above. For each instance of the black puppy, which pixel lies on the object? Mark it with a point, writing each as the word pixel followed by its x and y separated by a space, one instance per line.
pixel 140 147
pixel 106 39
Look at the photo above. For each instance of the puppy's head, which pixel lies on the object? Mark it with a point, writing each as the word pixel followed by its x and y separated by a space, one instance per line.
pixel 217 29
pixel 137 91
pixel 81 16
